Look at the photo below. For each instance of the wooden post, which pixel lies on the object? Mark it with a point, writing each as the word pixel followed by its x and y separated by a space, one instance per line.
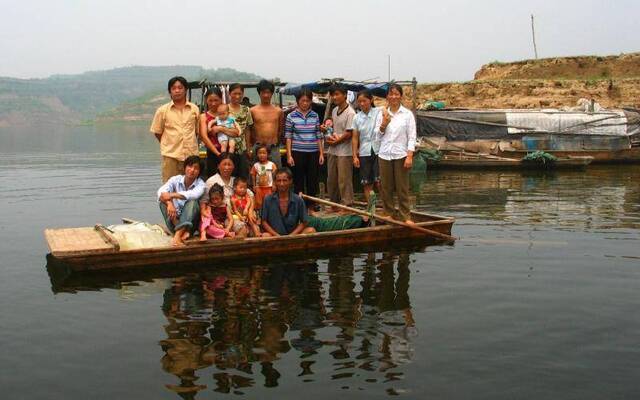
pixel 327 111
pixel 414 85
pixel 533 34
pixel 203 106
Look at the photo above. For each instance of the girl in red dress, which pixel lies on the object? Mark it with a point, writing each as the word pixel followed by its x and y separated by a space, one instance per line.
pixel 242 206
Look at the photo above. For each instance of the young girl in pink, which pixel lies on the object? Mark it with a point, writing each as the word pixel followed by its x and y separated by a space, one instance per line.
pixel 215 216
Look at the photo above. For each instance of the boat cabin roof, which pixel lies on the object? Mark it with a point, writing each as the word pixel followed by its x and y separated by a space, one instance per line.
pixel 323 86
pixel 204 84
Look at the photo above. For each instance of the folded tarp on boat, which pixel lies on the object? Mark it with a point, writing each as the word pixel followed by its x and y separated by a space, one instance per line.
pixel 463 125
pixel 139 235
pixel 470 125
pixel 609 123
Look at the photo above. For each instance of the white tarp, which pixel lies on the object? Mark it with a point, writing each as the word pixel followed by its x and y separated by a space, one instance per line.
pixel 609 123
pixel 140 235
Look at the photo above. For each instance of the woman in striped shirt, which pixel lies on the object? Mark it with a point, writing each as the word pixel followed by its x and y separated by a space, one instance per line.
pixel 305 151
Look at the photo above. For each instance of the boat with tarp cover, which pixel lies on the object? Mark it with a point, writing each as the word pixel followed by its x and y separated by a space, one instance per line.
pixel 608 136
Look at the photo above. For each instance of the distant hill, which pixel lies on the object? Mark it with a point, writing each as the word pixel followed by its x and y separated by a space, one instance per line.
pixel 76 98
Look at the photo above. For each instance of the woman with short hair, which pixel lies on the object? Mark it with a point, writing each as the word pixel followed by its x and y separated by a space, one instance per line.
pixel 397 130
pixel 225 178
pixel 366 142
pixel 305 153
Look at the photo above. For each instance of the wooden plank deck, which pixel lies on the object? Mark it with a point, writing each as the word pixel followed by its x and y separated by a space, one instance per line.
pixel 77 241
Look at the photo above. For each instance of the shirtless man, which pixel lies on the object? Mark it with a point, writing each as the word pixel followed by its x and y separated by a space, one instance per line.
pixel 268 122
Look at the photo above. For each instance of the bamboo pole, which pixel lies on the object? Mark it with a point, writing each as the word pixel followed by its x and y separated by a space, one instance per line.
pixel 388 220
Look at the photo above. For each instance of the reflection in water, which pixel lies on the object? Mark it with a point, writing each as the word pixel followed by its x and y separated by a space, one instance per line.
pixel 244 322
pixel 552 314
pixel 604 197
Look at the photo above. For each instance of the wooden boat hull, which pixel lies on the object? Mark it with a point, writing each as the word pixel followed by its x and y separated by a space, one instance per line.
pixel 480 163
pixel 251 248
pixel 621 156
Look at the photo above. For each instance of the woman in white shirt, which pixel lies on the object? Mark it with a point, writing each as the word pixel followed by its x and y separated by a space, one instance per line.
pixel 397 131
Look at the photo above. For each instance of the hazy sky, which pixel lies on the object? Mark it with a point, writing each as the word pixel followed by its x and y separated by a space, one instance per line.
pixel 300 40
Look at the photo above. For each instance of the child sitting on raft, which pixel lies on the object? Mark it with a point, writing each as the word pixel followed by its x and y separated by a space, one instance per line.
pixel 242 207
pixel 216 220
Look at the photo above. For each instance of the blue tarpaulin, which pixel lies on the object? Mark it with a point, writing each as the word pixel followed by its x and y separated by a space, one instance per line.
pixel 377 89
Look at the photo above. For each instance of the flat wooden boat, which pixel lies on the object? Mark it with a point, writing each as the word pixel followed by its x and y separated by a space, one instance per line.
pixel 451 161
pixel 621 156
pixel 94 249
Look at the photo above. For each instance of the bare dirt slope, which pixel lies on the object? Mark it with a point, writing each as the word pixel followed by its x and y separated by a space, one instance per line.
pixel 581 67
pixel 612 81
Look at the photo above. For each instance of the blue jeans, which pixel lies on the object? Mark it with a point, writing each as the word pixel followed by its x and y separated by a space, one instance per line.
pixel 188 219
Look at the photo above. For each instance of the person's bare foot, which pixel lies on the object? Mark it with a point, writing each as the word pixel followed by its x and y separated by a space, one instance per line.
pixel 177 241
pixel 185 236
pixel 409 222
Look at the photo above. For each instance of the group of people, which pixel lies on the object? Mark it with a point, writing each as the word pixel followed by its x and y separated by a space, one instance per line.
pixel 223 206
pixel 244 196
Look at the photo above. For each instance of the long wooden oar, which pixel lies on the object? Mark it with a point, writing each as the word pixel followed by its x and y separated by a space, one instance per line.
pixel 381 218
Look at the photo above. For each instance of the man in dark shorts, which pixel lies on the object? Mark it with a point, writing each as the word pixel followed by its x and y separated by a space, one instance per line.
pixel 268 123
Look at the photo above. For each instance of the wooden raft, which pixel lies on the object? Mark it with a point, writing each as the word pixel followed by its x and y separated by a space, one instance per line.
pixel 70 241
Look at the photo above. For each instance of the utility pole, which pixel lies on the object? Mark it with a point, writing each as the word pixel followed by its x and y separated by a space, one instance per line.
pixel 533 34
pixel 388 67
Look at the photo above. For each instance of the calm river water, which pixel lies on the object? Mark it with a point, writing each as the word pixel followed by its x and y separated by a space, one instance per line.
pixel 538 300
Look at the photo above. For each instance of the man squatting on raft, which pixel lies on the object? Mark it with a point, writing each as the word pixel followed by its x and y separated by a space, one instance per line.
pixel 178 199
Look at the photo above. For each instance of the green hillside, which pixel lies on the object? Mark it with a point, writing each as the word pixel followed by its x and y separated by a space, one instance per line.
pixel 75 98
